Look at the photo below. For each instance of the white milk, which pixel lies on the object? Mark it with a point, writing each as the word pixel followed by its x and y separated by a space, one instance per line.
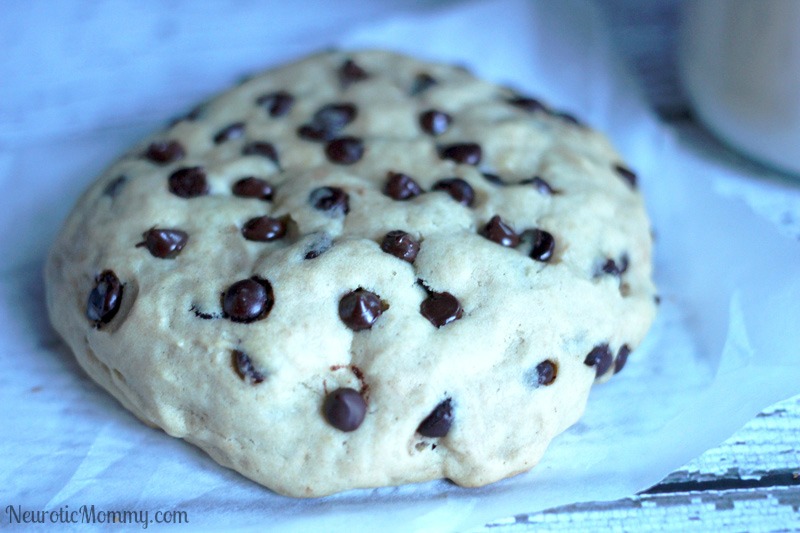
pixel 740 65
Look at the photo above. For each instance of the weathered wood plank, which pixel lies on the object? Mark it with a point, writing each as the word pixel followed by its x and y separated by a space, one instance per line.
pixel 751 482
pixel 775 509
pixel 767 445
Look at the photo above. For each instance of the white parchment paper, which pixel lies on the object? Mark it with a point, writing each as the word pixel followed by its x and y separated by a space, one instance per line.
pixel 724 346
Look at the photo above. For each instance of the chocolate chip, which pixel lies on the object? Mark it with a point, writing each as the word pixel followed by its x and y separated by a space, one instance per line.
pixel 344 150
pixel 600 357
pixel 546 372
pixel 115 186
pixel 311 133
pixel 104 299
pixel 320 244
pixel 610 267
pixel 493 178
pixel 464 153
pixel 164 243
pixel 441 308
pixel 434 122
pixel 350 72
pixel 401 245
pixel 331 199
pixel 422 82
pixel 359 309
pixel 333 117
pixel 328 121
pixel 253 188
pixel 539 184
pixel 437 424
pixel 277 104
pixel 401 186
pixel 264 149
pixel 229 133
pixel 527 104
pixel 626 174
pixel 188 182
pixel 458 189
pixel 248 300
pixel 543 245
pixel 622 357
pixel 498 231
pixel 614 268
pixel 344 409
pixel 264 229
pixel 243 366
pixel 163 152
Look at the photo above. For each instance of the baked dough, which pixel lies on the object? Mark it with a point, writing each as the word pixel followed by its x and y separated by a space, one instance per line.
pixel 359 270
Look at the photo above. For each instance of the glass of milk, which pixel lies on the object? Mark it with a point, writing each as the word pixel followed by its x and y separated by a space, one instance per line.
pixel 739 61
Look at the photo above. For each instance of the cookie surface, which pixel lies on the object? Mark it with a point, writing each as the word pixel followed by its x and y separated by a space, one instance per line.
pixel 359 270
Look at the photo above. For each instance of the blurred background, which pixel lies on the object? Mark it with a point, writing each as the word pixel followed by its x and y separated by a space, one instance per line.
pixel 645 34
pixel 731 65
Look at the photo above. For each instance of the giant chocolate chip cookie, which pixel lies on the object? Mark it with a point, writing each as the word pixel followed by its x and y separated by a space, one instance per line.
pixel 359 270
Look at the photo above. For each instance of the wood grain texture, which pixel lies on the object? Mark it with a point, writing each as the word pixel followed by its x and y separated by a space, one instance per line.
pixel 768 445
pixel 751 482
pixel 773 509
